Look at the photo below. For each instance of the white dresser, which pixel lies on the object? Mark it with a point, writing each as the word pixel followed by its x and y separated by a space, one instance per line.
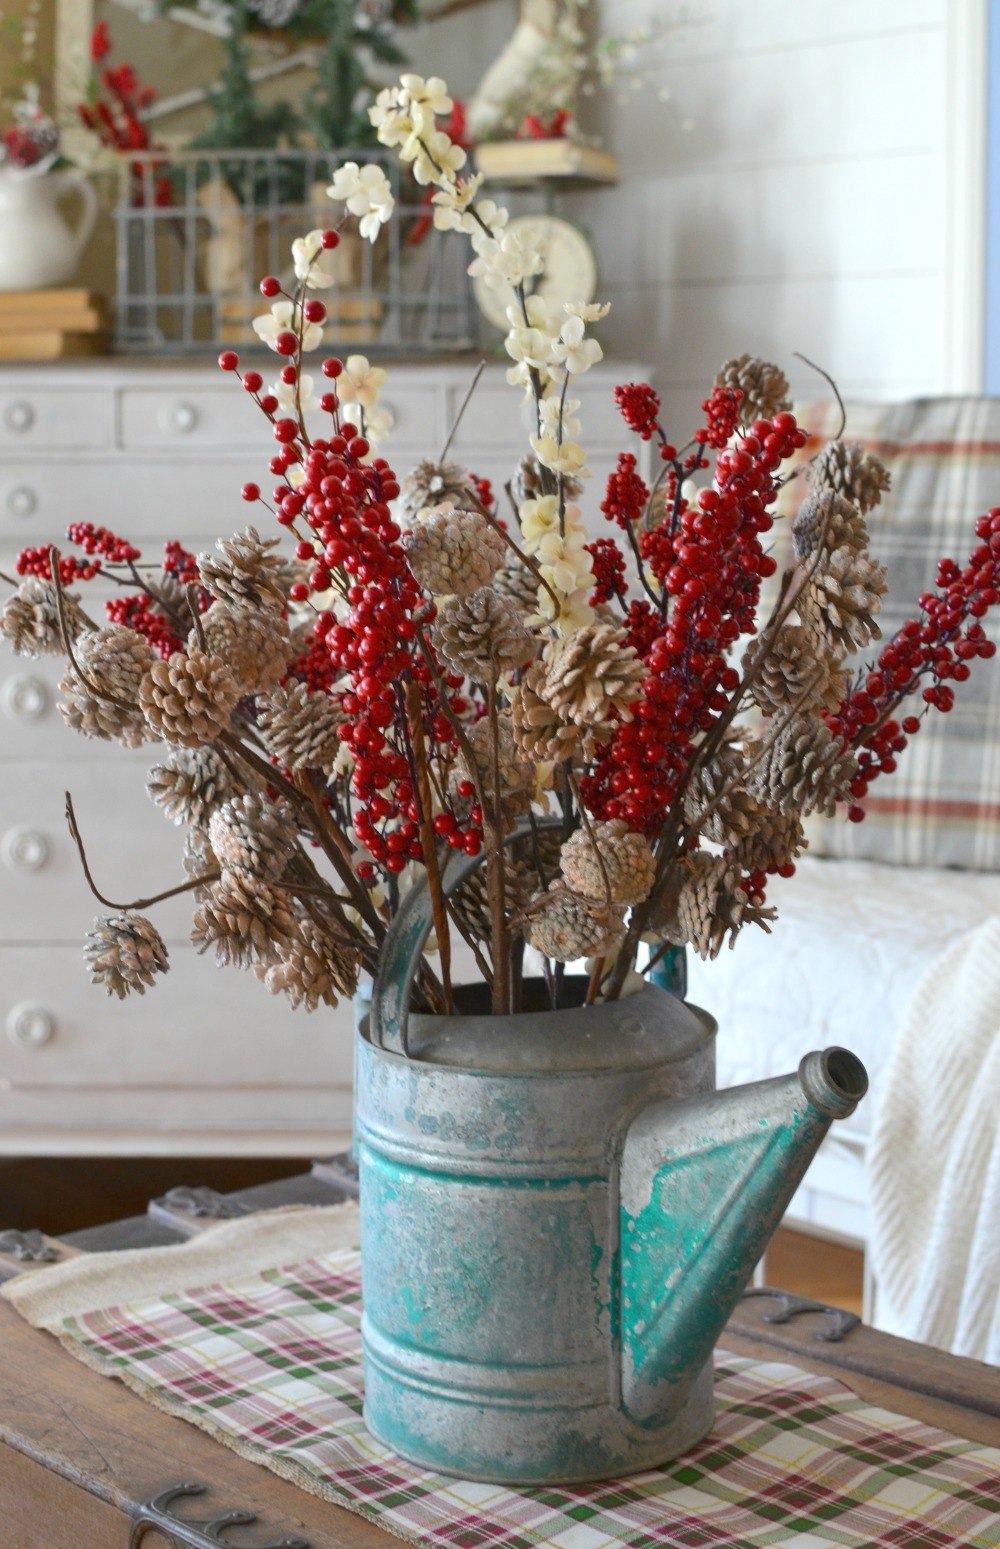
pixel 207 1062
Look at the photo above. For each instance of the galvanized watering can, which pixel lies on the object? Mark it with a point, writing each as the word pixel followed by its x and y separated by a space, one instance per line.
pixel 558 1215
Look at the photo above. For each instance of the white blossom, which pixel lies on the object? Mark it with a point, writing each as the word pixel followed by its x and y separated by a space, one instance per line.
pixel 567 458
pixel 451 204
pixel 284 317
pixel 538 518
pixel 378 424
pixel 360 382
pixel 589 311
pixel 509 259
pixel 431 94
pixel 367 193
pixel 312 261
pixel 573 349
pixel 285 392
pixel 555 412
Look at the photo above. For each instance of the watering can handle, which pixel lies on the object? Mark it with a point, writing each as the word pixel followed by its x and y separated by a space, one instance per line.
pixel 405 941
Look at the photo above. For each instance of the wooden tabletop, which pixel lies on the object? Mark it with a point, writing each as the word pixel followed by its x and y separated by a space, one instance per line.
pixel 80 1456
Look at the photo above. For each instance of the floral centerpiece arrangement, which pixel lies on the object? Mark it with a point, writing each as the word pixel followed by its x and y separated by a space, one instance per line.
pixel 382 670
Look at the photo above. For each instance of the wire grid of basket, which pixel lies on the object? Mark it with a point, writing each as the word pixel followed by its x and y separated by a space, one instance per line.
pixel 196 231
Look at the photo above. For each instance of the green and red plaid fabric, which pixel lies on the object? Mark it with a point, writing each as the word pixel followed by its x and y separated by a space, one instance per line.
pixel 942 805
pixel 273 1367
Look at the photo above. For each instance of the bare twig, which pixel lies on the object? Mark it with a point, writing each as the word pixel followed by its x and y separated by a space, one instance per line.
pixel 836 390
pixel 461 411
pixel 191 594
pixel 422 788
pixel 137 903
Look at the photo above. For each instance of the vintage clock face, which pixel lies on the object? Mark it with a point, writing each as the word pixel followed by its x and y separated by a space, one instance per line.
pixel 570 272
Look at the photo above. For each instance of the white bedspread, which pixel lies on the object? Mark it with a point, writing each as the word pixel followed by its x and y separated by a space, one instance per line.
pixel 851 943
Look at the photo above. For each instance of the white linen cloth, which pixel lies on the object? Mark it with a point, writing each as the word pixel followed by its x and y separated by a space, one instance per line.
pixel 934 1157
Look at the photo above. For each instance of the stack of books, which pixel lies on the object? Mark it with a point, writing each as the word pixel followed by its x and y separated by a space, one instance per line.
pixel 524 160
pixel 51 324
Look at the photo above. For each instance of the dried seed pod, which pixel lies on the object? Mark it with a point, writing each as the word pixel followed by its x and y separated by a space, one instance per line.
pixel 246 572
pixel 124 952
pixel 188 698
pixel 104 702
pixel 717 798
pixel 433 483
pixel 776 839
pixel 190 785
pixel 300 729
pixel 314 967
pixel 515 582
pixel 482 635
pixel 563 926
pixel 804 769
pixel 576 692
pixel 252 837
pixel 705 904
pixel 612 864
pixel 253 642
pixel 828 519
pixel 453 553
pixel 243 920
pixel 796 670
pixel 517 776
pixel 839 604
pixel 847 469
pixel 764 387
pixel 30 619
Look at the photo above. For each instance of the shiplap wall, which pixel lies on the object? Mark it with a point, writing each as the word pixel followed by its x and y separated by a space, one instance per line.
pixel 823 200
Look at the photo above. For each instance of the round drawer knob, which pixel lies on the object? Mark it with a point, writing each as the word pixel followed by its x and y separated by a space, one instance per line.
pixel 19 415
pixel 24 849
pixel 30 1025
pixel 21 501
pixel 182 418
pixel 24 698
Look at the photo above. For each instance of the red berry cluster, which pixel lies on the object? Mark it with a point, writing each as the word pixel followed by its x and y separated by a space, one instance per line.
pixel 135 612
pixel 609 570
pixel 722 412
pixel 626 494
pixel 100 540
pixel 38 562
pixel 180 563
pixel 639 407
pixel 935 649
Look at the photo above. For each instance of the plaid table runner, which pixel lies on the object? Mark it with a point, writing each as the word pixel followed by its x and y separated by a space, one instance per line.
pixel 271 1365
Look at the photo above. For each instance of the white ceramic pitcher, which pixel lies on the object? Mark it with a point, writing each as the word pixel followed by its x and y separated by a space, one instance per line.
pixel 38 245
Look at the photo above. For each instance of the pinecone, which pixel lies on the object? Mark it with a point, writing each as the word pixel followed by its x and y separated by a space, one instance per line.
pixel 838 604
pixel 707 904
pixel 114 661
pixel 563 926
pixel 528 482
pixel 523 881
pixel 433 484
pixel 198 858
pixel 190 785
pixel 313 967
pixel 515 582
pixel 735 812
pixel 248 574
pixel 792 667
pixel 775 839
pixel 252 837
pixel 187 699
pixel 30 619
pixel 244 920
pixel 253 642
pixel 628 866
pixel 585 681
pixel 123 952
pixel 803 770
pixel 764 387
pixel 482 636
pixel 517 777
pixel 453 553
pixel 300 729
pixel 848 470
pixel 831 519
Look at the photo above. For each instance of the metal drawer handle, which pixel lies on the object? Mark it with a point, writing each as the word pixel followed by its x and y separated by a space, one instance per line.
pixel 25 849
pixel 182 417
pixel 21 500
pixel 19 415
pixel 30 1025
pixel 24 698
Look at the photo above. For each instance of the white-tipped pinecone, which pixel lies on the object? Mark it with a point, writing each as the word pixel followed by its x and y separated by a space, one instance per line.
pixel 253 642
pixel 433 484
pixel 114 662
pixel 243 920
pixel 300 729
pixel 124 952
pixel 517 776
pixel 615 865
pixel 188 698
pixel 522 881
pixel 252 837
pixel 721 786
pixel 846 468
pixel 198 859
pixel 830 520
pixel 529 482
pixel 795 672
pixel 453 553
pixel 586 680
pixel 707 905
pixel 775 839
pixel 314 967
pixel 541 734
pixel 515 582
pixel 838 605
pixel 30 619
pixel 563 926
pixel 190 785
pixel 764 387
pixel 245 572
pixel 482 635
pixel 804 769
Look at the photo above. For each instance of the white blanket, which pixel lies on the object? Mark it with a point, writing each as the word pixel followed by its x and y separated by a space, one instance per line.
pixel 934 1157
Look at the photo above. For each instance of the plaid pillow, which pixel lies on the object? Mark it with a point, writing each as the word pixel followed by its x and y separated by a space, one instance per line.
pixel 942 805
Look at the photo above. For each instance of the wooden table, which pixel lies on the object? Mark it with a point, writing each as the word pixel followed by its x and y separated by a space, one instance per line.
pixel 81 1457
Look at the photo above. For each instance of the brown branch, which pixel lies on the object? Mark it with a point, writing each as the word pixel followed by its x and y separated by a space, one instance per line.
pixel 138 903
pixel 461 411
pixel 414 710
pixel 836 390
pixel 496 872
pixel 526 559
pixel 191 594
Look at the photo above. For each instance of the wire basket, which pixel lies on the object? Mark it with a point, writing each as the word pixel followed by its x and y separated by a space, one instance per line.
pixel 196 231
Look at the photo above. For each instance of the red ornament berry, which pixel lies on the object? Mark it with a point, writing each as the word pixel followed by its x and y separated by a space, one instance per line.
pixel 286 343
pixel 270 286
pixel 285 430
pixel 253 381
pixel 251 492
pixel 314 311
pixel 228 360
pixel 330 239
pixel 333 368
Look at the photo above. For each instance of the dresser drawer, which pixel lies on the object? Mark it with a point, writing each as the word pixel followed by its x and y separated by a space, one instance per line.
pixel 499 415
pixel 52 418
pixel 157 495
pixel 224 418
pixel 199 1026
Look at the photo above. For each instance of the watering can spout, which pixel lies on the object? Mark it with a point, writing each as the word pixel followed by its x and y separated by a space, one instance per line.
pixel 704 1184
